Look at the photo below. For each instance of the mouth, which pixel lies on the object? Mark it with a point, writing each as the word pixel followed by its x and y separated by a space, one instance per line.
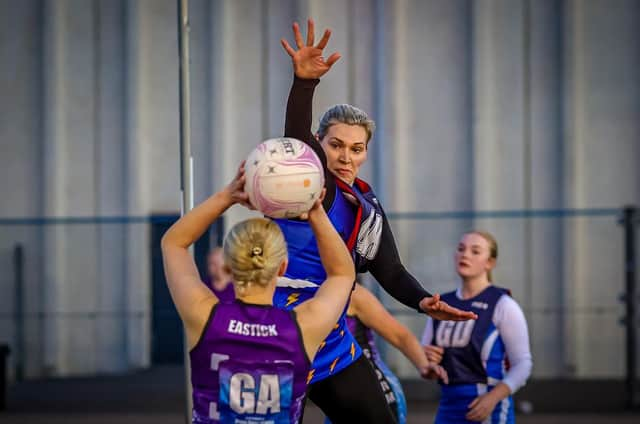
pixel 463 265
pixel 343 172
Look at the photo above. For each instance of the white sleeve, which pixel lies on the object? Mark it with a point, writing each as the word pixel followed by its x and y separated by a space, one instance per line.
pixel 512 327
pixel 427 334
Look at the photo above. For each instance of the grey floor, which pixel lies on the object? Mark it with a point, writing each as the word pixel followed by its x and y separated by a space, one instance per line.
pixel 157 397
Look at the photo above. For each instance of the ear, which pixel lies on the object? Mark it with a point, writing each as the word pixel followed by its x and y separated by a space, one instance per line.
pixel 491 263
pixel 226 269
pixel 317 137
pixel 283 267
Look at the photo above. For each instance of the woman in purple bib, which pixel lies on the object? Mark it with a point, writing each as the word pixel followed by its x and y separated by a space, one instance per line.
pixel 249 360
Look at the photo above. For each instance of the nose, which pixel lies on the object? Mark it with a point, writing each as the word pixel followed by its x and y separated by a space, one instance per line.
pixel 344 156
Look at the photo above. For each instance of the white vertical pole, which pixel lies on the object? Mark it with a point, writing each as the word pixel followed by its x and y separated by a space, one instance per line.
pixel 186 162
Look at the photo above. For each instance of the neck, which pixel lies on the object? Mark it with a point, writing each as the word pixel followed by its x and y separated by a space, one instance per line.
pixel 472 286
pixel 220 283
pixel 257 295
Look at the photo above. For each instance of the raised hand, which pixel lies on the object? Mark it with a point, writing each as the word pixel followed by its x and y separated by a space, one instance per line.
pixel 316 208
pixel 235 188
pixel 439 309
pixel 308 62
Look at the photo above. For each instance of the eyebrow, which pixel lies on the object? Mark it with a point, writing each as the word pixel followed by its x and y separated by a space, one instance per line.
pixel 342 141
pixel 472 246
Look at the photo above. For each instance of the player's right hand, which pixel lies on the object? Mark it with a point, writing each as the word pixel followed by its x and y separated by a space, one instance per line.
pixel 235 188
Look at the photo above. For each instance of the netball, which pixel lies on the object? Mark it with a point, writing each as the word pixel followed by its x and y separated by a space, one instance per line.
pixel 284 177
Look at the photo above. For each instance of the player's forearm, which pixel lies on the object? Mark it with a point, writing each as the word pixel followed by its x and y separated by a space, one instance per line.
pixel 394 278
pixel 518 374
pixel 334 254
pixel 195 222
pixel 401 285
pixel 411 348
pixel 300 109
pixel 500 392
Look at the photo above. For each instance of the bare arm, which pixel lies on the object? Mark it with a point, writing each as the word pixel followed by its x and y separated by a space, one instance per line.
pixel 192 298
pixel 373 314
pixel 318 315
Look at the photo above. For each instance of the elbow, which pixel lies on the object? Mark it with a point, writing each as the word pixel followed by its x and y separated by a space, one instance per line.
pixel 345 270
pixel 165 242
pixel 351 272
pixel 168 241
pixel 174 238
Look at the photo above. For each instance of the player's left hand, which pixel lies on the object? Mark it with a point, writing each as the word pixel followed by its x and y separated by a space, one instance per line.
pixel 434 372
pixel 316 208
pixel 481 407
pixel 440 310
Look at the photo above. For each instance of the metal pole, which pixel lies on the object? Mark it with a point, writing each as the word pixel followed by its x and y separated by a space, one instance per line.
pixel 186 161
pixel 18 266
pixel 630 298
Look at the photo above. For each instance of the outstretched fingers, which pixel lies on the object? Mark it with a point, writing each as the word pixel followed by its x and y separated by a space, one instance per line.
pixel 324 40
pixel 297 35
pixel 333 59
pixel 311 31
pixel 287 47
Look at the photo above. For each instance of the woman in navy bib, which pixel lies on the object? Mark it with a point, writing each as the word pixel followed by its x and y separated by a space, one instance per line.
pixel 488 359
pixel 250 360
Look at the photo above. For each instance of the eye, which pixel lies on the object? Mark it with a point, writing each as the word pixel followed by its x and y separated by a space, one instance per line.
pixel 357 150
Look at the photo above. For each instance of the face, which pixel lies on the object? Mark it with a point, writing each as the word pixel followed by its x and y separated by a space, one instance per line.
pixel 473 256
pixel 346 149
pixel 215 265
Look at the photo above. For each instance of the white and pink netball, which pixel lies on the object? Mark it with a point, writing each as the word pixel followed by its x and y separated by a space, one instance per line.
pixel 284 177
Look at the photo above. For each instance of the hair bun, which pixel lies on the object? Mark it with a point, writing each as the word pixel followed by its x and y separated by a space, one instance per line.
pixel 258 262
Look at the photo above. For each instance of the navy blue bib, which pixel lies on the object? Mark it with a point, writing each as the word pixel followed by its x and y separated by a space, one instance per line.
pixel 463 340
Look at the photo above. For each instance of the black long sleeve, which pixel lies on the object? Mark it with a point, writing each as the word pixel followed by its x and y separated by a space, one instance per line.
pixel 386 267
pixel 297 124
pixel 394 278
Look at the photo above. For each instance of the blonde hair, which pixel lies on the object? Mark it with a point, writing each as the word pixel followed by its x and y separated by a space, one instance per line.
pixel 346 114
pixel 493 246
pixel 254 250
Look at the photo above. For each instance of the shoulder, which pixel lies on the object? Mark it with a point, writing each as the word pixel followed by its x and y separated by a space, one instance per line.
pixel 365 189
pixel 507 310
pixel 449 296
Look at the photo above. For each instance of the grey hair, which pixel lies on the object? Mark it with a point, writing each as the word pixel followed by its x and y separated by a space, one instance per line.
pixel 346 114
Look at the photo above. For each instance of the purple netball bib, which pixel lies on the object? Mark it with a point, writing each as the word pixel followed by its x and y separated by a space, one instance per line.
pixel 249 367
pixel 256 394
